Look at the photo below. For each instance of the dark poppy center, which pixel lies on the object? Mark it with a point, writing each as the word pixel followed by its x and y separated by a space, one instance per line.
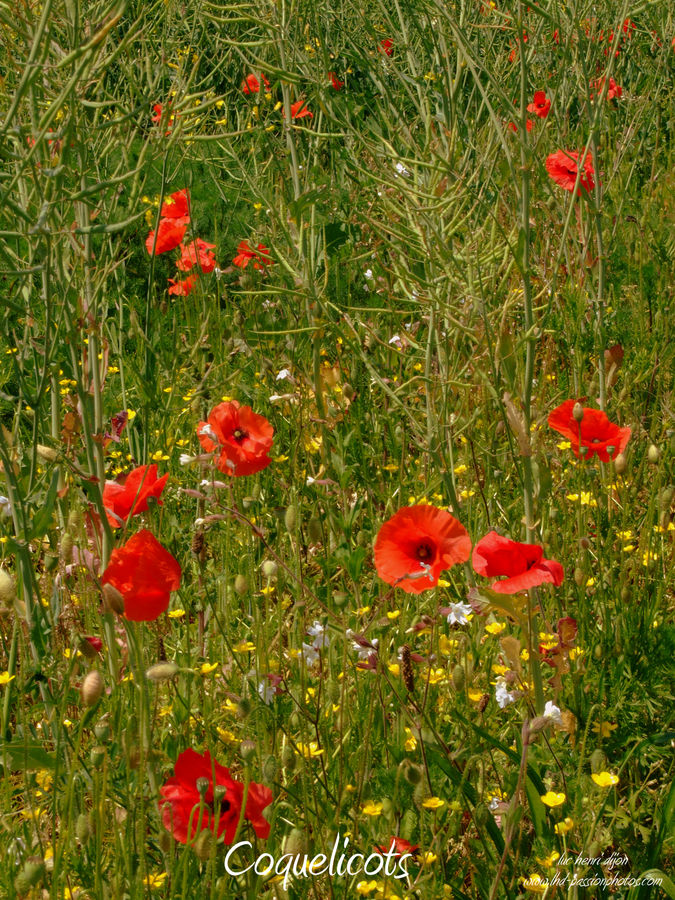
pixel 239 435
pixel 424 552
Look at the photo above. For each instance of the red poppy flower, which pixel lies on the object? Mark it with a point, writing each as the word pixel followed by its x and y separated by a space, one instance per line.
pixel 169 235
pixel 522 564
pixel 417 544
pixel 196 251
pixel 300 111
pixel 157 118
pixel 251 85
pixel 240 438
pixel 185 812
pixel 513 127
pixel 614 91
pixel 541 105
pixel 387 46
pixel 183 288
pixel 563 167
pixel 129 497
pixel 335 81
pixel 398 846
pixel 177 206
pixel 145 574
pixel 595 435
pixel 245 254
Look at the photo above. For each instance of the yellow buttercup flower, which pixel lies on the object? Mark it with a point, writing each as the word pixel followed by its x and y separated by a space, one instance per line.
pixel 552 799
pixel 605 779
pixel 433 803
pixel 372 809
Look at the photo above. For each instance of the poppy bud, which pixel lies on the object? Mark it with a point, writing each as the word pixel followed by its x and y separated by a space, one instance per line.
pixel 66 547
pixel 248 750
pixel 96 756
pixel 269 568
pixel 598 761
pixel 162 671
pixel 620 464
pixel 47 454
pixel 86 649
pixel 412 774
pixel 406 669
pixel 653 454
pixel 288 759
pixel 294 842
pixel 113 601
pixel 33 871
pixel 241 584
pixel 202 844
pixel 339 598
pixel 74 519
pixel 243 708
pixel 363 539
pixel 269 769
pixel 579 577
pixel 83 830
pixel 202 785
pixel 584 543
pixel 7 588
pixel 458 677
pixel 92 687
pixel 291 518
pixel 315 530
pixel 597 652
pixel 577 412
pixel 420 793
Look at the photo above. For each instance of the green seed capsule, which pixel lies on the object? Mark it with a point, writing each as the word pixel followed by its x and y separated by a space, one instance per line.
pixel 291 519
pixel 7 588
pixel 653 454
pixel 241 584
pixel 315 530
pixel 83 829
pixel 458 677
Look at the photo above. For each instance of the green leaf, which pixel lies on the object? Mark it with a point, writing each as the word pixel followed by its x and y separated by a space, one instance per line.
pixel 26 757
pixel 42 520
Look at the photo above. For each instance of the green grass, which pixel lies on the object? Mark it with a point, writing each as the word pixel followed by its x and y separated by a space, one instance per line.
pixel 405 206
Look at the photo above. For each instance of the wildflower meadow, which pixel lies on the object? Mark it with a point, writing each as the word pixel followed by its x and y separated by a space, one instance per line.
pixel 336 449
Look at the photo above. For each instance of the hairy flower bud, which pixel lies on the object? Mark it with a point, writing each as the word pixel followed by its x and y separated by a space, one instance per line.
pixel 92 687
pixel 578 412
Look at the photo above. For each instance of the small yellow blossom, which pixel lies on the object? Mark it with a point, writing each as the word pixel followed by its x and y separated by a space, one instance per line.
pixel 411 741
pixel 244 647
pixel 372 809
pixel 446 645
pixel 362 610
pixel 5 677
pixel 605 779
pixel 552 799
pixel 394 668
pixel 550 860
pixel 563 827
pixel 365 887
pixel 155 881
pixel 394 614
pixel 535 884
pixel 495 627
pixel 206 668
pixel 605 729
pixel 474 695
pixel 429 858
pixel 176 613
pixel 308 750
pixel 433 803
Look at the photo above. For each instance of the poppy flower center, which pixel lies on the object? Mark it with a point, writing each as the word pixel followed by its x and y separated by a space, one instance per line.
pixel 424 552
pixel 239 435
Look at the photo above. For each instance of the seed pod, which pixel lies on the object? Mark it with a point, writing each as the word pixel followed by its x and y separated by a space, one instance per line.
pixel 584 543
pixel 315 530
pixel 294 842
pixel 579 577
pixel 578 412
pixel 291 519
pixel 162 671
pixel 406 669
pixel 83 830
pixel 620 464
pixel 458 677
pixel 102 729
pixel 113 601
pixel 241 584
pixel 92 687
pixel 7 588
pixel 653 454
pixel 483 702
